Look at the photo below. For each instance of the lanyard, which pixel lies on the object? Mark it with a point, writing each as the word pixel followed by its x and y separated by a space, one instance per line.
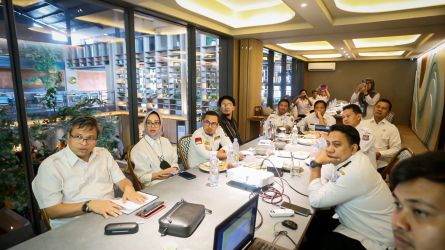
pixel 161 158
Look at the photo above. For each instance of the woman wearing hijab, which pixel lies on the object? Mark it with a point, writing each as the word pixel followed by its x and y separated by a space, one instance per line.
pixel 366 97
pixel 153 156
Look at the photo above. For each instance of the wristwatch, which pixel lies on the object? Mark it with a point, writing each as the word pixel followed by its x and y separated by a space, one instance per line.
pixel 86 208
pixel 314 164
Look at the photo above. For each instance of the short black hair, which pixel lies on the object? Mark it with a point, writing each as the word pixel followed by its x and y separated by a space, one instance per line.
pixel 321 101
pixel 387 101
pixel 303 90
pixel 226 97
pixel 84 122
pixel 430 166
pixel 210 113
pixel 350 132
pixel 354 107
pixel 284 100
pixel 314 90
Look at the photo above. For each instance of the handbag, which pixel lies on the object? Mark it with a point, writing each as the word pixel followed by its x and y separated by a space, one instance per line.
pixel 182 219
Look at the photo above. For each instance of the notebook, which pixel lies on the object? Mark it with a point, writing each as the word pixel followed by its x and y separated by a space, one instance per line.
pixel 237 231
pixel 130 207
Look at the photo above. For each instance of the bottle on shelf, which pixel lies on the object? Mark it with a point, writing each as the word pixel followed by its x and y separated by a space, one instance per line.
pixel 213 170
pixel 236 151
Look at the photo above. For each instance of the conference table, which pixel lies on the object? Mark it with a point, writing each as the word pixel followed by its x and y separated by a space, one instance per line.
pixel 87 232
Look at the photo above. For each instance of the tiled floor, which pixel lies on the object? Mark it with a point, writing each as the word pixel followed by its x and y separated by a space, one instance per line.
pixel 410 140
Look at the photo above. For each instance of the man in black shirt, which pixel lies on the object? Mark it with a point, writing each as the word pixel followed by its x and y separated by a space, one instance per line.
pixel 226 105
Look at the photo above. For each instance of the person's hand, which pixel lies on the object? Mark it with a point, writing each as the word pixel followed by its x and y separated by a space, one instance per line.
pixel 165 173
pixel 359 88
pixel 319 116
pixel 324 158
pixel 105 208
pixel 131 195
pixel 221 154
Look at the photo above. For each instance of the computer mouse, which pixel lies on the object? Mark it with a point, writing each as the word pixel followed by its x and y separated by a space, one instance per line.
pixel 289 224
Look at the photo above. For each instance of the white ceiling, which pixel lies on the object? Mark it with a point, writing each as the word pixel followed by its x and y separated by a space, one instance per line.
pixel 321 20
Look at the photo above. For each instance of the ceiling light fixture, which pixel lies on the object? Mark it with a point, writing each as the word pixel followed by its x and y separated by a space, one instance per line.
pixel 303 5
pixel 384 41
pixel 316 45
pixel 317 56
pixel 383 53
pixel 366 6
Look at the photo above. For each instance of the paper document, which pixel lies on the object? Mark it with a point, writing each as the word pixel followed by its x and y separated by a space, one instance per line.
pixel 130 207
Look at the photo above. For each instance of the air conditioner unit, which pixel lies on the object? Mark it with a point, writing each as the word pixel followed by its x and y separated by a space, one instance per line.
pixel 325 66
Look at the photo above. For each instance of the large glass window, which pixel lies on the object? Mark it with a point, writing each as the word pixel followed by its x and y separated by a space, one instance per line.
pixel 207 73
pixel 161 73
pixel 288 75
pixel 265 75
pixel 14 198
pixel 277 77
pixel 73 62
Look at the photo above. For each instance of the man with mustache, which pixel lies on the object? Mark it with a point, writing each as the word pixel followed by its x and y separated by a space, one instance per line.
pixel 418 185
pixel 358 194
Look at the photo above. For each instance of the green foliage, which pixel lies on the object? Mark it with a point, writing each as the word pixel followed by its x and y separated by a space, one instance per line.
pixel 44 59
pixel 50 99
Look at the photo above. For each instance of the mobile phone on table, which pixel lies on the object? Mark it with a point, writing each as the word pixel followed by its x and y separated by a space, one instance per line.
pixel 297 209
pixel 187 175
pixel 323 128
pixel 150 209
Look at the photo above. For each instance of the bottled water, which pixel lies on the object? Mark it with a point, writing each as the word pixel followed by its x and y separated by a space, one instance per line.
pixel 230 156
pixel 295 135
pixel 236 151
pixel 213 170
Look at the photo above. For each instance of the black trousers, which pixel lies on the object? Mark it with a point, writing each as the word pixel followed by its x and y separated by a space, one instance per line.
pixel 320 236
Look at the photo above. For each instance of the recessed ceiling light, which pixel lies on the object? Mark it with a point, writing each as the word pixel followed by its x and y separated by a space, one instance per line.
pixel 385 53
pixel 366 6
pixel 303 5
pixel 342 48
pixel 316 45
pixel 316 56
pixel 384 41
pixel 240 14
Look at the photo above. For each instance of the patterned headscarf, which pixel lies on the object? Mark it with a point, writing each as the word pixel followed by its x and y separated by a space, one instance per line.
pixel 361 96
pixel 159 133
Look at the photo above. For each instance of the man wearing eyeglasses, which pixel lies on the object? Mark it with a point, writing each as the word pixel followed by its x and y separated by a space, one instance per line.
pixel 79 178
pixel 207 139
pixel 226 106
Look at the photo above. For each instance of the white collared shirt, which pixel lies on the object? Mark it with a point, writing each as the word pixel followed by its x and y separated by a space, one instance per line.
pixel 367 142
pixel 285 120
pixel 387 139
pixel 370 100
pixel 145 157
pixel 202 144
pixel 311 120
pixel 65 178
pixel 361 198
pixel 303 106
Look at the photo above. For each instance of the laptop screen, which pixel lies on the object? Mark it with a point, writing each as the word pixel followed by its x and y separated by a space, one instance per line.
pixel 238 229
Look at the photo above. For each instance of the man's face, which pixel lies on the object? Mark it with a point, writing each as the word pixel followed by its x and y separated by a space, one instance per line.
pixel 82 141
pixel 314 94
pixel 338 146
pixel 351 118
pixel 320 108
pixel 227 107
pixel 418 221
pixel 210 124
pixel 282 108
pixel 381 110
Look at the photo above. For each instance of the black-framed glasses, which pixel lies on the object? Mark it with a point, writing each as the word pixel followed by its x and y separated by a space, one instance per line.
pixel 153 124
pixel 80 138
pixel 226 105
pixel 211 124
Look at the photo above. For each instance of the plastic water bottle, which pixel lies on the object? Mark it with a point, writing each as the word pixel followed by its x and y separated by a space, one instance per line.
pixel 230 156
pixel 236 151
pixel 295 135
pixel 213 170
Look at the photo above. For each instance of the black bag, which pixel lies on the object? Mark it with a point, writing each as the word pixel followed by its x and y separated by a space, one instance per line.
pixel 182 219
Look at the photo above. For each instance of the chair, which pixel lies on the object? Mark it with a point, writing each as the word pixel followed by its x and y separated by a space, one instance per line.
pixel 183 150
pixel 390 117
pixel 45 219
pixel 403 153
pixel 129 172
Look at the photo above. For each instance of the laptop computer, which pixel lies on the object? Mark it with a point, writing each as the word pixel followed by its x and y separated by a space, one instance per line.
pixel 237 231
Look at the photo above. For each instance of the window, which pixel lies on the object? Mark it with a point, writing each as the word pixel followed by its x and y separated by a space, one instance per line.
pixel 277 77
pixel 265 75
pixel 288 75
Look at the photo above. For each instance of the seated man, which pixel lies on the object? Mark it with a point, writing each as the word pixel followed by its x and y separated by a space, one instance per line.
pixel 361 198
pixel 319 116
pixel 207 139
pixel 226 106
pixel 352 115
pixel 282 118
pixel 79 178
pixel 387 137
pixel 418 185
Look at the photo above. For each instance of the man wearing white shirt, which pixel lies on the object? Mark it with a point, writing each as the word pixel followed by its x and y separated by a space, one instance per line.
pixel 207 139
pixel 387 137
pixel 79 178
pixel 361 198
pixel 319 116
pixel 282 118
pixel 352 115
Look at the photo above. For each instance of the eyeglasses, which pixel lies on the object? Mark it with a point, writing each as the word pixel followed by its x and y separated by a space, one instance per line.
pixel 228 105
pixel 80 138
pixel 153 124
pixel 211 124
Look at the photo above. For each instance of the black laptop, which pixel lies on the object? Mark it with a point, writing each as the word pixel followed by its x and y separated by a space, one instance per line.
pixel 237 231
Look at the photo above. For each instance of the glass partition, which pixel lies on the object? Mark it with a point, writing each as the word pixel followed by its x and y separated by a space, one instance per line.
pixel 265 75
pixel 277 77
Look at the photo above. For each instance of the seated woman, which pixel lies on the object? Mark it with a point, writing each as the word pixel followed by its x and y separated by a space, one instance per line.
pixel 153 156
